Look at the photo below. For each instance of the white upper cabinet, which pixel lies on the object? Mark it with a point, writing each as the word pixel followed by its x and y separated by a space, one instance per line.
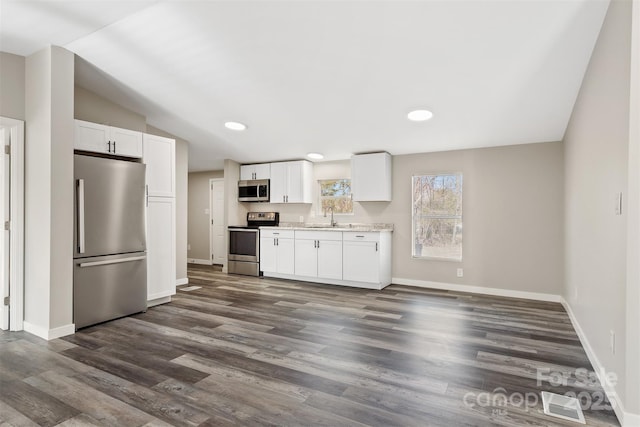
pixel 160 158
pixel 107 139
pixel 371 177
pixel 291 182
pixel 258 171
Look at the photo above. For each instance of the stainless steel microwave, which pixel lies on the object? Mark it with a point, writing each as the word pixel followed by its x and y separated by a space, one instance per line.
pixel 253 190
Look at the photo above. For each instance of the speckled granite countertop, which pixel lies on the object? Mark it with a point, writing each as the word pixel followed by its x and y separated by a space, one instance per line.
pixel 338 227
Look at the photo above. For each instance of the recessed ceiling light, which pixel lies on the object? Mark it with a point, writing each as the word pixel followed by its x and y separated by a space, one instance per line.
pixel 315 156
pixel 235 126
pixel 419 115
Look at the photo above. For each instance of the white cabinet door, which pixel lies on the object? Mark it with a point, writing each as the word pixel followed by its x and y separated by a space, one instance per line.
pixel 330 259
pixel 258 171
pixel 291 182
pixel 262 171
pixel 286 256
pixel 125 142
pixel 361 261
pixel 268 255
pixel 306 258
pixel 278 185
pixel 107 139
pixel 160 158
pixel 371 177
pixel 91 137
pixel 161 247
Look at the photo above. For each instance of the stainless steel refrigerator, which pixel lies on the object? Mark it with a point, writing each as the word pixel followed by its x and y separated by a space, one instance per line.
pixel 110 260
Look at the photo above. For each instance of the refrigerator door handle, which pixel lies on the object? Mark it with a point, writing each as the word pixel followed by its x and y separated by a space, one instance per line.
pixel 112 261
pixel 81 236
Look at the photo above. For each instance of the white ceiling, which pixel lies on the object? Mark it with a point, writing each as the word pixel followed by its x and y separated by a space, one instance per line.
pixel 336 77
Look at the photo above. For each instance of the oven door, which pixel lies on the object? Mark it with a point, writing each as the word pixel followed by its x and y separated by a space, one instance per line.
pixel 244 244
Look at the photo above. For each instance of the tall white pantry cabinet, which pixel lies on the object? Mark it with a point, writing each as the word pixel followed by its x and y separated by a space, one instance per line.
pixel 159 155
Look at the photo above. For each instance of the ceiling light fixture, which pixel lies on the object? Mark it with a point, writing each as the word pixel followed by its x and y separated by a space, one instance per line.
pixel 419 115
pixel 315 156
pixel 235 126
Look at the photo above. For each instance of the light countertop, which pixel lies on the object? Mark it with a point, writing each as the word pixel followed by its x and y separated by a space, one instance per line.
pixel 338 227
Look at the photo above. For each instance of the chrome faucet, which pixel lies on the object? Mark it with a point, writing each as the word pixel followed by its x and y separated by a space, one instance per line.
pixel 333 222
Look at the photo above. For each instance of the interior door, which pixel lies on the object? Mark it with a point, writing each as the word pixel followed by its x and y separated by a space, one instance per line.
pixel 217 232
pixel 4 239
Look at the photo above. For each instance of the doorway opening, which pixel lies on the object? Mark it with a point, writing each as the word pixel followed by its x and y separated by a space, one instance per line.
pixel 11 224
pixel 217 250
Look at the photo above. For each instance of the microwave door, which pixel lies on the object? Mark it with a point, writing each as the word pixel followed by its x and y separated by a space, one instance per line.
pixel 247 191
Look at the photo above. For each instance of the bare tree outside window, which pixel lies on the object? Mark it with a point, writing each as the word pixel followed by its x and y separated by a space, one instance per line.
pixel 336 194
pixel 437 216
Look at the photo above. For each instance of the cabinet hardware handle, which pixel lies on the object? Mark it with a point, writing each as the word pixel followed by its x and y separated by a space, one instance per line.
pixel 277 242
pixel 276 234
pixel 283 199
pixel 80 216
pixel 362 237
pixel 114 147
pixel 109 144
pixel 376 246
pixel 112 261
pixel 318 244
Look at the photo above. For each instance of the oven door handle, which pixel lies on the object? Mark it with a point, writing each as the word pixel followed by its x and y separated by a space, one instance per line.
pixel 244 230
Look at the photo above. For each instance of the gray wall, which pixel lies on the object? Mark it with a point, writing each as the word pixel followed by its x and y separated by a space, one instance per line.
pixel 596 166
pixel 512 214
pixel 91 107
pixel 12 86
pixel 49 189
pixel 198 222
pixel 182 165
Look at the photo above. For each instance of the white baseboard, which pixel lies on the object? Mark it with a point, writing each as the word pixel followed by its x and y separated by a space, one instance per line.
pixel 184 281
pixel 199 261
pixel 627 419
pixel 50 334
pixel 478 290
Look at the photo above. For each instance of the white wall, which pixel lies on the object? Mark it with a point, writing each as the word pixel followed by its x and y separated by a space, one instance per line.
pixel 12 85
pixel 596 168
pixel 49 192
pixel 633 227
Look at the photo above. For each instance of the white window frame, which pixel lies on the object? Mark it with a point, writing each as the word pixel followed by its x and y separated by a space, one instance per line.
pixel 459 217
pixel 320 211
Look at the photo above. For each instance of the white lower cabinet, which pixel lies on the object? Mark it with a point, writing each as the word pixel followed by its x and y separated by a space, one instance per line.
pixel 277 251
pixel 161 249
pixel 361 261
pixel 319 254
pixel 337 257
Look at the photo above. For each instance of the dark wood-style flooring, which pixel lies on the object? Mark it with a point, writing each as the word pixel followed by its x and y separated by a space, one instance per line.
pixel 248 351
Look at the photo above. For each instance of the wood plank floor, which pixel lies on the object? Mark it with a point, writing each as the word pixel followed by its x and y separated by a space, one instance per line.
pixel 248 351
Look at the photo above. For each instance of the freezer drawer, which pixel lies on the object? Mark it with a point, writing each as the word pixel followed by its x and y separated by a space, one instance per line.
pixel 108 287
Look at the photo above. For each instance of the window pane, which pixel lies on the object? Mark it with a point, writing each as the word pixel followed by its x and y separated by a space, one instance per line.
pixel 335 194
pixel 438 238
pixel 437 216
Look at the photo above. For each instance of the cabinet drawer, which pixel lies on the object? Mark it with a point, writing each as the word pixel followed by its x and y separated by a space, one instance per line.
pixel 360 236
pixel 318 235
pixel 283 234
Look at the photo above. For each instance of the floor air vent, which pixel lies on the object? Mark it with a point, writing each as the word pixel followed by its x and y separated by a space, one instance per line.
pixel 567 408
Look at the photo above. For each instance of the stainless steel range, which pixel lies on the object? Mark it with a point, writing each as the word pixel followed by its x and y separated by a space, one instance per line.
pixel 244 243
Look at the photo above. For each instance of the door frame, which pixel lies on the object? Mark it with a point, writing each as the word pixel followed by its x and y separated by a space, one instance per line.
pixel 211 254
pixel 16 201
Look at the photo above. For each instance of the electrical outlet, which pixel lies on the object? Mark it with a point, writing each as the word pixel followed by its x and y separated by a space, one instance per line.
pixel 460 272
pixel 188 246
pixel 301 218
pixel 612 342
